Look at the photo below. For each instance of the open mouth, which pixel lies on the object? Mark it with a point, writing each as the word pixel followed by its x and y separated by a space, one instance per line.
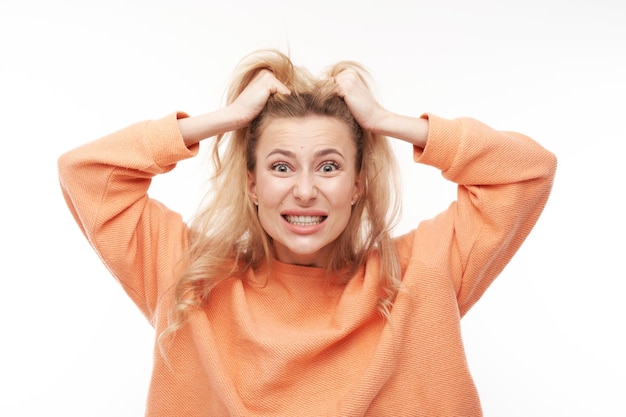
pixel 304 220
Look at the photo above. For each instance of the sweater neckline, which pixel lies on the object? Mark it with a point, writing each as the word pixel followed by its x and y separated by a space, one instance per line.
pixel 301 278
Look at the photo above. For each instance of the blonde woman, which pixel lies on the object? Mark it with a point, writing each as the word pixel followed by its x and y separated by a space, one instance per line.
pixel 287 295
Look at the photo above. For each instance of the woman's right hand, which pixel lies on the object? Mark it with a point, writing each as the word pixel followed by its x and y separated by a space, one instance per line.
pixel 252 99
pixel 238 114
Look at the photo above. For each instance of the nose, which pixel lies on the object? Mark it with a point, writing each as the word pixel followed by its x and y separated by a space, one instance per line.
pixel 304 188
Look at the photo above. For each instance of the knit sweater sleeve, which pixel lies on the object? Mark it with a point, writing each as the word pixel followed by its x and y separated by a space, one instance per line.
pixel 504 180
pixel 105 185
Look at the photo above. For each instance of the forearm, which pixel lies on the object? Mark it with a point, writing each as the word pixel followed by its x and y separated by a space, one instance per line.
pixel 197 128
pixel 469 152
pixel 115 171
pixel 413 130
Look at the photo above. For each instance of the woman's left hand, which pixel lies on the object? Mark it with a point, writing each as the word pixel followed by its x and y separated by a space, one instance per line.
pixel 373 117
pixel 362 104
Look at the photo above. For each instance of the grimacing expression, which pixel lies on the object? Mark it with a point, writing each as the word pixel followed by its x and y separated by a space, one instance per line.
pixel 304 182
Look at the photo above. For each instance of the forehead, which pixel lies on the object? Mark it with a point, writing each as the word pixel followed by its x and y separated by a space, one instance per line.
pixel 302 133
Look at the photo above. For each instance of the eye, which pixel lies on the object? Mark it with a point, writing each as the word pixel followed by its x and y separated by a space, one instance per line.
pixel 329 166
pixel 280 167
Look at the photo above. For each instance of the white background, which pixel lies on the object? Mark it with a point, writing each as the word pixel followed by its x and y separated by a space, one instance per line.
pixel 547 339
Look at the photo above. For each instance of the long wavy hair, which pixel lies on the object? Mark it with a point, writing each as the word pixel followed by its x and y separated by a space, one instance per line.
pixel 226 236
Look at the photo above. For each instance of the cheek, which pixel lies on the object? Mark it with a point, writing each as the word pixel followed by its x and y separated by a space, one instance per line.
pixel 343 192
pixel 270 190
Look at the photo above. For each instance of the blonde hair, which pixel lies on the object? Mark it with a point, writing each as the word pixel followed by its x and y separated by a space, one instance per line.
pixel 221 247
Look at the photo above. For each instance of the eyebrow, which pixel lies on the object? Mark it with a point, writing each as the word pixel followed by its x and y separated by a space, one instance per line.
pixel 290 154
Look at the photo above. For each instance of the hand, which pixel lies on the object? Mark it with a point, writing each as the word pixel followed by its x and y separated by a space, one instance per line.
pixel 375 118
pixel 252 99
pixel 238 114
pixel 362 104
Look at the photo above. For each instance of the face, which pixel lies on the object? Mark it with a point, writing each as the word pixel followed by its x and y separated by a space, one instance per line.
pixel 305 181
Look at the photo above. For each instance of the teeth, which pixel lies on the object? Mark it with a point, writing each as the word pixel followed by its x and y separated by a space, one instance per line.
pixel 304 220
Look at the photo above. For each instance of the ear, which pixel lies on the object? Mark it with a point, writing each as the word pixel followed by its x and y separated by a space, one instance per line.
pixel 358 188
pixel 252 187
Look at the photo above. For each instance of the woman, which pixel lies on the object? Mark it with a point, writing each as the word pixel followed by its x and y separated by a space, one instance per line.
pixel 287 295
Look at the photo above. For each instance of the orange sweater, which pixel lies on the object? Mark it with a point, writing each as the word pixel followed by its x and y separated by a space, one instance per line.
pixel 297 346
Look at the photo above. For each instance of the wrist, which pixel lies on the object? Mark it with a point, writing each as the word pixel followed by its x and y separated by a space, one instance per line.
pixel 197 128
pixel 413 130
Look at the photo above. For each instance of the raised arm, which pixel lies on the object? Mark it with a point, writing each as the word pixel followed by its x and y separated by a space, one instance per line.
pixel 105 185
pixel 504 180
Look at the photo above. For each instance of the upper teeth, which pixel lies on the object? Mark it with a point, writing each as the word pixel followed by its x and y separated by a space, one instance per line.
pixel 304 220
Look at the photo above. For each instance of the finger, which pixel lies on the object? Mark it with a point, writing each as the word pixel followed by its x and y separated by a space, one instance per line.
pixel 272 83
pixel 337 87
pixel 281 88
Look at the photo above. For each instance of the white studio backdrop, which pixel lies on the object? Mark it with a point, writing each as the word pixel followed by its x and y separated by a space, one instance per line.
pixel 547 339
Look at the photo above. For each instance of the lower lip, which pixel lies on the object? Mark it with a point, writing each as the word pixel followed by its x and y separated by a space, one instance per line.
pixel 304 230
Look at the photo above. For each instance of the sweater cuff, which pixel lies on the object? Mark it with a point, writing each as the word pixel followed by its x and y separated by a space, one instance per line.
pixel 166 143
pixel 444 138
